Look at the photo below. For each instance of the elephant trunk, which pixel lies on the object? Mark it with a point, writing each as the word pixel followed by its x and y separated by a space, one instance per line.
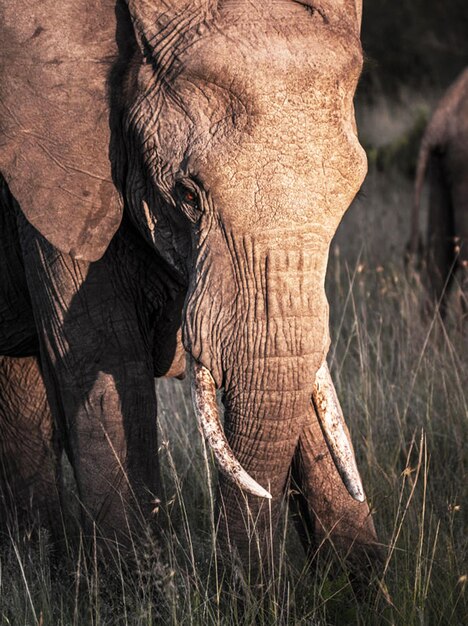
pixel 263 338
pixel 262 423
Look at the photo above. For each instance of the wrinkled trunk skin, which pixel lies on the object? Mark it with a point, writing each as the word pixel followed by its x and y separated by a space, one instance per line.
pixel 270 344
pixel 263 426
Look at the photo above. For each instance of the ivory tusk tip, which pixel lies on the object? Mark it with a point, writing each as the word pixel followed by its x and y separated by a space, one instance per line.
pixel 262 494
pixel 356 492
pixel 247 483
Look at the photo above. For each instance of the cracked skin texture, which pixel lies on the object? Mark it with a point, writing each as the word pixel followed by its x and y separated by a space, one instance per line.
pixel 233 147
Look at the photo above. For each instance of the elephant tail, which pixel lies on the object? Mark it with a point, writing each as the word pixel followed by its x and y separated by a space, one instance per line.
pixel 423 159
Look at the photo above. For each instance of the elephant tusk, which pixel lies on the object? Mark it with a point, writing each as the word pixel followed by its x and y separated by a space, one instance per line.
pixel 206 409
pixel 335 432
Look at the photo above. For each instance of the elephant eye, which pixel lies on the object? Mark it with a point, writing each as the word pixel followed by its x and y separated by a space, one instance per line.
pixel 188 198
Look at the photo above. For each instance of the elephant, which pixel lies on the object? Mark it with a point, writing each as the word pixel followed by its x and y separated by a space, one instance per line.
pixel 172 176
pixel 443 155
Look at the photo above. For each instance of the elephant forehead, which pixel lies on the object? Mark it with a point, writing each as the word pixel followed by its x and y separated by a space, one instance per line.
pixel 299 102
pixel 260 109
pixel 261 54
pixel 302 84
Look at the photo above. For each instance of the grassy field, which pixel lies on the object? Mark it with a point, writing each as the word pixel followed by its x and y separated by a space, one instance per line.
pixel 402 380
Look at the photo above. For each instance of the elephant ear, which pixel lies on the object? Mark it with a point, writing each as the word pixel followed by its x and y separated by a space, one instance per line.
pixel 54 119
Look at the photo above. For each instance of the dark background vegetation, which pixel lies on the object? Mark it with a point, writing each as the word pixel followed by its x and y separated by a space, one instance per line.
pixel 413 50
pixel 419 44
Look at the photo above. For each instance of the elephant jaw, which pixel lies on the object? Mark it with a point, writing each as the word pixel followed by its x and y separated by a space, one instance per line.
pixel 330 417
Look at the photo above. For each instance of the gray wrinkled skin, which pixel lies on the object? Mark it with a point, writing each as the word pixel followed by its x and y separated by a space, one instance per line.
pixel 233 147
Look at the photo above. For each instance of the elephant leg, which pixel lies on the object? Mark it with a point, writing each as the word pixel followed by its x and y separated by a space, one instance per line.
pixel 98 367
pixel 460 204
pixel 323 510
pixel 30 451
pixel 440 241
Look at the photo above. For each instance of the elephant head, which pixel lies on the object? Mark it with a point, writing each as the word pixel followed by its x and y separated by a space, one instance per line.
pixel 234 149
pixel 241 157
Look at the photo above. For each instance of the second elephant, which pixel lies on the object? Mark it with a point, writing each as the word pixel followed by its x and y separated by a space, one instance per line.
pixel 443 157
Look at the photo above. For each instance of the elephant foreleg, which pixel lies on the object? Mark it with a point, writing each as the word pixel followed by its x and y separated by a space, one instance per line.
pixel 29 449
pixel 460 214
pixel 440 257
pixel 98 365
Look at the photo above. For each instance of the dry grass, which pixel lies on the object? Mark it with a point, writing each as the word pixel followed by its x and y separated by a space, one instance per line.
pixel 402 381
